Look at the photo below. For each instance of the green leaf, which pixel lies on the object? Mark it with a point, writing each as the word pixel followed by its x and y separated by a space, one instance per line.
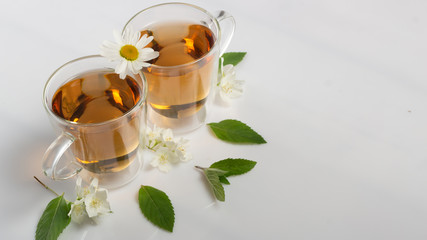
pixel 54 219
pixel 235 131
pixel 224 180
pixel 212 175
pixel 233 57
pixel 234 166
pixel 156 207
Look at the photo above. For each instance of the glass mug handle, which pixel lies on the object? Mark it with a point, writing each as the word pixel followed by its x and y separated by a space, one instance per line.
pixel 227 25
pixel 53 159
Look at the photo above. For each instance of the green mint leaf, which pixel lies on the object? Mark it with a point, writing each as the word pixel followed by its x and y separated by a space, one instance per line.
pixel 234 166
pixel 212 175
pixel 235 131
pixel 218 172
pixel 54 219
pixel 156 207
pixel 233 57
pixel 224 180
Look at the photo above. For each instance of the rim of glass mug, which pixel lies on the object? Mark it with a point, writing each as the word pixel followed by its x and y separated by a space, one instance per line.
pixel 48 108
pixel 214 20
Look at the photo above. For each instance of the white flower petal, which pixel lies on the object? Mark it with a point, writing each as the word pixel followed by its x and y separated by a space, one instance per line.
pixel 182 145
pixel 167 134
pixel 228 69
pixel 122 69
pixel 110 50
pixel 97 204
pixel 144 41
pixel 126 35
pixel 134 37
pixel 144 64
pixel 229 86
pixel 122 75
pixel 78 213
pixel 165 167
pixel 79 190
pixel 104 208
pixel 111 45
pixel 135 67
pixel 118 37
pixel 235 93
pixel 163 159
pixel 146 54
pixel 93 185
pixel 90 209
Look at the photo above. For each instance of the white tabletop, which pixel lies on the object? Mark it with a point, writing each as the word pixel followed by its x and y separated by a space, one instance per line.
pixel 337 88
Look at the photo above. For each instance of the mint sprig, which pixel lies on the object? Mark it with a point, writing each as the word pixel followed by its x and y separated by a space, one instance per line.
pixel 156 207
pixel 235 131
pixel 54 219
pixel 216 174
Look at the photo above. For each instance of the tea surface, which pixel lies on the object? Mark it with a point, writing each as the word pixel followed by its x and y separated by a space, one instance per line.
pixel 96 97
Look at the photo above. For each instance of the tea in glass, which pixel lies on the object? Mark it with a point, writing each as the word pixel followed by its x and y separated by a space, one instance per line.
pixel 179 92
pixel 94 98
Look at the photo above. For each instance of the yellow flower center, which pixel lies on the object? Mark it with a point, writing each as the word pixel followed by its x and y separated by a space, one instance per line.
pixel 129 52
pixel 163 159
pixel 95 203
pixel 227 88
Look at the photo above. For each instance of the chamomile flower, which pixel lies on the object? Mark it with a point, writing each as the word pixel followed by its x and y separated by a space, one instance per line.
pixel 229 86
pixel 129 49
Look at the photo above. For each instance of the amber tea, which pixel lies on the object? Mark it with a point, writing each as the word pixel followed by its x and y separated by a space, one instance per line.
pixel 93 98
pixel 179 92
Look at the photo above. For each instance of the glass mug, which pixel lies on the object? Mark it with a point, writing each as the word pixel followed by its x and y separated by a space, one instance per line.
pixel 99 119
pixel 182 79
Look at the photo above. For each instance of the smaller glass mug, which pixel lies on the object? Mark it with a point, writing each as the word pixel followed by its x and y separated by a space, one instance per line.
pixel 108 148
pixel 181 86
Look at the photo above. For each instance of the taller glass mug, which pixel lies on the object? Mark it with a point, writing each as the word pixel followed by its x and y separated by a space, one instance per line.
pixel 182 79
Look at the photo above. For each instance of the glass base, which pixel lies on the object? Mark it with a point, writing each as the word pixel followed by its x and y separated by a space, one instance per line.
pixel 179 126
pixel 114 179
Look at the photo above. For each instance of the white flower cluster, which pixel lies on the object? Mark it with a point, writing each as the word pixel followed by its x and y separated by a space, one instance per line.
pixel 91 202
pixel 168 150
pixel 229 86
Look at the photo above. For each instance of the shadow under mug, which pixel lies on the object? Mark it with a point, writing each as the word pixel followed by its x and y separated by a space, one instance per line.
pixel 108 149
pixel 179 95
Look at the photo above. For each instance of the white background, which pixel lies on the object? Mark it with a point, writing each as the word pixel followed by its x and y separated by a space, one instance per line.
pixel 337 88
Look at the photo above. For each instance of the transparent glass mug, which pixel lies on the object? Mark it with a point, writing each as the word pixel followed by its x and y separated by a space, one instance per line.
pixel 182 79
pixel 108 143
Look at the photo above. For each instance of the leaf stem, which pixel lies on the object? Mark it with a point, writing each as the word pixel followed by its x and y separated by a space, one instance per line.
pixel 44 185
pixel 201 168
